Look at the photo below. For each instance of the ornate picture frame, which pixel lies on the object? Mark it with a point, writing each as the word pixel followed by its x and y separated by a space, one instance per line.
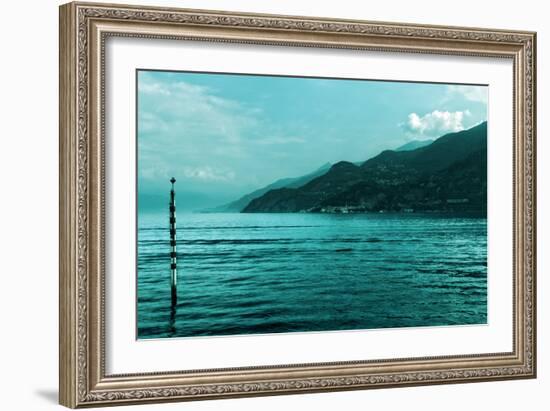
pixel 84 30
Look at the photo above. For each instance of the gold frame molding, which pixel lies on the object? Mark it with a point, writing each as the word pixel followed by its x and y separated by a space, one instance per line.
pixel 84 27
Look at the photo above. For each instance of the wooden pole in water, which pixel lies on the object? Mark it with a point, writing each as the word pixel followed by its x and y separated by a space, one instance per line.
pixel 173 258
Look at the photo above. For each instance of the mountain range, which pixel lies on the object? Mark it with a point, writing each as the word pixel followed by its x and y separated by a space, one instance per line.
pixel 447 174
pixel 291 182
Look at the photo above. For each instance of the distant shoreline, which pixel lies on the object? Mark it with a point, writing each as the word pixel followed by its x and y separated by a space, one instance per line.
pixel 478 214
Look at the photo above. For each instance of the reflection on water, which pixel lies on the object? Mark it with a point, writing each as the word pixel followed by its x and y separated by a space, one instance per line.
pixel 271 273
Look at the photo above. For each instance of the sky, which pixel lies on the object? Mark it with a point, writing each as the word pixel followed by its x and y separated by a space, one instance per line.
pixel 224 135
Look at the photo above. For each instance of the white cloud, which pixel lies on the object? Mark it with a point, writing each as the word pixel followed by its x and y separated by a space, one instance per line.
pixel 470 93
pixel 153 88
pixel 434 124
pixel 170 109
pixel 190 131
pixel 198 173
pixel 208 173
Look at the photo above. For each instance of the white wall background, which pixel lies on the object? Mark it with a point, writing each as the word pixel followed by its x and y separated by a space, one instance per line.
pixel 29 188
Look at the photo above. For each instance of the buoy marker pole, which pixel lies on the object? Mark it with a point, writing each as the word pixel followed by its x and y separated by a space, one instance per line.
pixel 173 255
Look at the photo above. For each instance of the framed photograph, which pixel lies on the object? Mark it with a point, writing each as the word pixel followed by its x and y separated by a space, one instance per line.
pixel 259 204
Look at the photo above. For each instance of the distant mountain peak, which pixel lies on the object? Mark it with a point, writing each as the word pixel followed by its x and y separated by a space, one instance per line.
pixel 343 165
pixel 414 144
pixel 325 166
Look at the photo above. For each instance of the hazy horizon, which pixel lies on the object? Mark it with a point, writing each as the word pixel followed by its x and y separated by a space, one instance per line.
pixel 222 136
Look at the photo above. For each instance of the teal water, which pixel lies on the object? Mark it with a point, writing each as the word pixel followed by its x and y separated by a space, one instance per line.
pixel 272 273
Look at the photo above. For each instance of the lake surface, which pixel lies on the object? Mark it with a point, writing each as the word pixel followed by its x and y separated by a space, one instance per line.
pixel 272 273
